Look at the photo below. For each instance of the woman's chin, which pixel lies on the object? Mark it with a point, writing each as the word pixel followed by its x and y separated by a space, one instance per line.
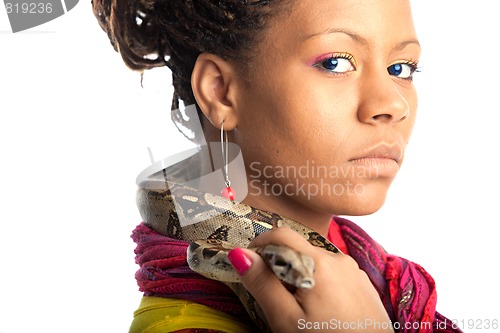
pixel 364 210
pixel 365 203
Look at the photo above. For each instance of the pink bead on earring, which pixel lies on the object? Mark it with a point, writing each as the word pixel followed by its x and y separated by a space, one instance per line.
pixel 227 192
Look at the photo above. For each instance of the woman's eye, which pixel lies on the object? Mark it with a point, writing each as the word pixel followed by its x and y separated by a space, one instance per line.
pixel 402 70
pixel 335 65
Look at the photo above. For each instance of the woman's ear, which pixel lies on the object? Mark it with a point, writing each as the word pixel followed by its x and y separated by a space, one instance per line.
pixel 214 86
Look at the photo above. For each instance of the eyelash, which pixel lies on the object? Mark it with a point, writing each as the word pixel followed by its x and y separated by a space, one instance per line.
pixel 319 62
pixel 414 68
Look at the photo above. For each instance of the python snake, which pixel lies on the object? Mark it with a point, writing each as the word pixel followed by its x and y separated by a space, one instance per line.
pixel 227 225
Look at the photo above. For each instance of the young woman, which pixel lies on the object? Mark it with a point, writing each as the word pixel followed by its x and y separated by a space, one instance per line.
pixel 315 84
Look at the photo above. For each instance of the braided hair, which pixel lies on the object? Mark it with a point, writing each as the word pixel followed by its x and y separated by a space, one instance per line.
pixel 173 33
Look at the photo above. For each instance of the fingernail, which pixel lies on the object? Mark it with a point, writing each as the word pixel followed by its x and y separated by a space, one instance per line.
pixel 239 260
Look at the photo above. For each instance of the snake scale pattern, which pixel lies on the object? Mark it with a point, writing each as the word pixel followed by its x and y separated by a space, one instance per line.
pixel 219 225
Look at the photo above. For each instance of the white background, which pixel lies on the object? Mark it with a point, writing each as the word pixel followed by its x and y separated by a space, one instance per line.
pixel 74 130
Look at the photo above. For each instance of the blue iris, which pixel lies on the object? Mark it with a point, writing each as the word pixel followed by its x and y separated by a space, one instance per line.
pixel 395 69
pixel 330 63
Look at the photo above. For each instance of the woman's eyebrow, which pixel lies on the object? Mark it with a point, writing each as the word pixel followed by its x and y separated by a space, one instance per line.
pixel 358 38
pixel 405 43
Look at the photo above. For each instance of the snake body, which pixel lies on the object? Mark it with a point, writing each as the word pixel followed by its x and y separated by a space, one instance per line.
pixel 221 225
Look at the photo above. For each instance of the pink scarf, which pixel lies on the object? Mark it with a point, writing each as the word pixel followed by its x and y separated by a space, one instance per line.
pixel 407 291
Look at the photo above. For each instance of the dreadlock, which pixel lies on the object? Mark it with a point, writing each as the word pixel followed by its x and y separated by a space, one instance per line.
pixel 154 33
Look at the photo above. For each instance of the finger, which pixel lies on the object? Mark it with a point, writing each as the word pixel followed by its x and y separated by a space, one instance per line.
pixel 264 286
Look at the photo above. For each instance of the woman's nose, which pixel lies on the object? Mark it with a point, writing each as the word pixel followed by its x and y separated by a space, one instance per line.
pixel 382 102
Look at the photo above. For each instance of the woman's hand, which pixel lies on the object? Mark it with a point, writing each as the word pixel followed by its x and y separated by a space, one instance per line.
pixel 342 300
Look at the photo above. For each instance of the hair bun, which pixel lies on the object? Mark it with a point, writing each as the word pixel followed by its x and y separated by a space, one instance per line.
pixel 133 30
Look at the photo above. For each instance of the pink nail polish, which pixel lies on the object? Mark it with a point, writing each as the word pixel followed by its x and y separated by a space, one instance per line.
pixel 239 260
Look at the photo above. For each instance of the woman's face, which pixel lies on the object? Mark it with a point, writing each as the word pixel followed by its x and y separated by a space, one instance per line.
pixel 326 117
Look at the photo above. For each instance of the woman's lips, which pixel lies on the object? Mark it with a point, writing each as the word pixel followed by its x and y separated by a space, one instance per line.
pixel 382 160
pixel 369 160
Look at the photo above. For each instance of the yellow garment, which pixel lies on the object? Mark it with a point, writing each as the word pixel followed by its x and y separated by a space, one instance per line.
pixel 161 315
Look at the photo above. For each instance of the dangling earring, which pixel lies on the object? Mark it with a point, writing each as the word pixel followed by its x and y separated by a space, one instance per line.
pixel 226 192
